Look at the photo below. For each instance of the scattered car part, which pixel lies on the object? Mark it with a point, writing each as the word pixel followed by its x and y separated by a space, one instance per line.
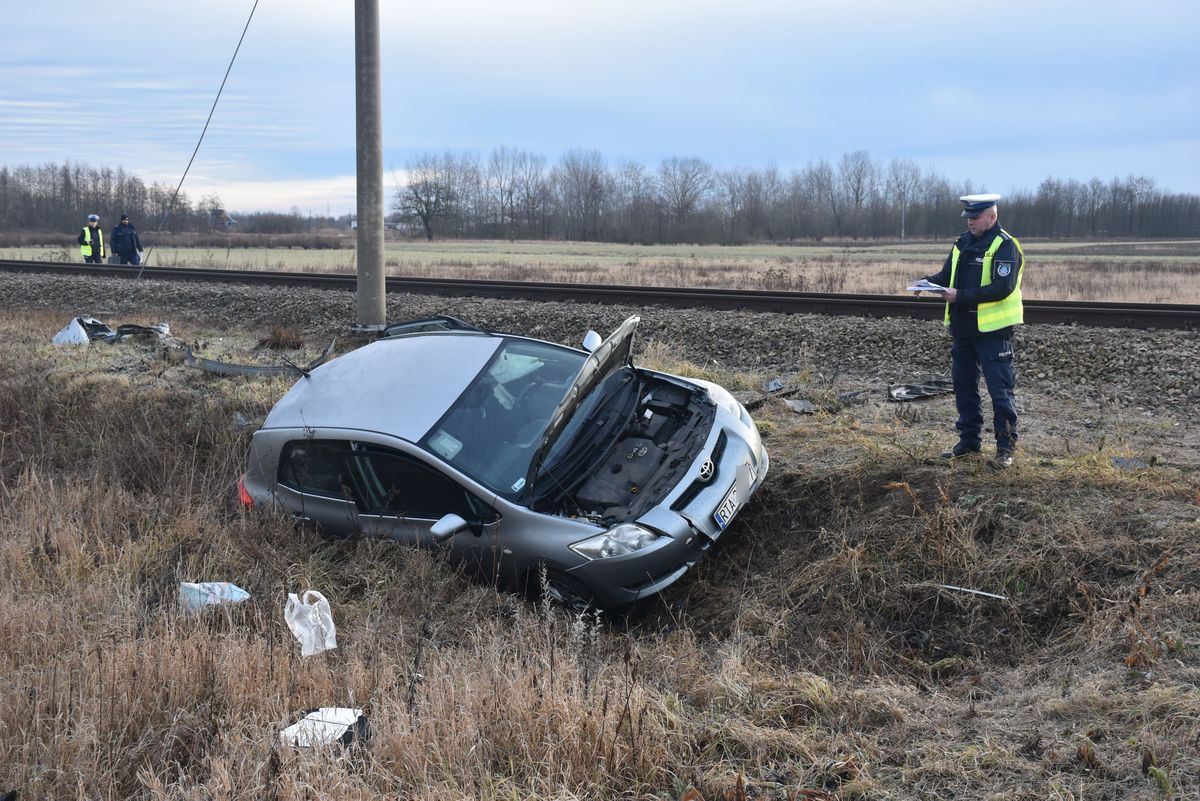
pixel 329 725
pixel 926 389
pixel 82 330
pixel 256 370
pixel 801 406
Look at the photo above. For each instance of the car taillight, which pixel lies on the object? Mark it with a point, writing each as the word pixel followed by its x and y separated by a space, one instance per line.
pixel 244 496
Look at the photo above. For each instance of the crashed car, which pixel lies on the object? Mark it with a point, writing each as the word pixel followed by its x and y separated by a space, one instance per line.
pixel 523 458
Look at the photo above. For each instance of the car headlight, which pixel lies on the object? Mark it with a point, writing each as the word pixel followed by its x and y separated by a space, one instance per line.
pixel 619 541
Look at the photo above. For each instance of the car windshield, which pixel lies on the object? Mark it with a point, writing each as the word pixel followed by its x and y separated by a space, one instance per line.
pixel 491 432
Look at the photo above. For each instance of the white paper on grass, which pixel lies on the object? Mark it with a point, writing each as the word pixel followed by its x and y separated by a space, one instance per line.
pixel 197 595
pixel 311 620
pixel 325 726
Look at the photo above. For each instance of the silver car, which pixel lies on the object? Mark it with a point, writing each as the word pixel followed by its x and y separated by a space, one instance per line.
pixel 519 456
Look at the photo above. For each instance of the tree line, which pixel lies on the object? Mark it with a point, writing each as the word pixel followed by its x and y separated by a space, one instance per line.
pixel 514 194
pixel 518 195
pixel 54 197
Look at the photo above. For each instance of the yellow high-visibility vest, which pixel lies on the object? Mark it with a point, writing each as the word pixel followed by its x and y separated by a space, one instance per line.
pixel 86 247
pixel 1001 313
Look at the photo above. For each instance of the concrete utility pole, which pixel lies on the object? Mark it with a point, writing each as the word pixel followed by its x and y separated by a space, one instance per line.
pixel 369 114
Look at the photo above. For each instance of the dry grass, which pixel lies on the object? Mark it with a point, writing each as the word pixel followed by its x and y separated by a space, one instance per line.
pixel 1146 272
pixel 814 650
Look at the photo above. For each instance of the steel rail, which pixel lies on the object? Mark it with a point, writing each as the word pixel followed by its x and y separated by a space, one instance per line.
pixel 1061 312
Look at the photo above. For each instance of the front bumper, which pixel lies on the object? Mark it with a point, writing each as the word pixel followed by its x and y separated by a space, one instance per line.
pixel 686 517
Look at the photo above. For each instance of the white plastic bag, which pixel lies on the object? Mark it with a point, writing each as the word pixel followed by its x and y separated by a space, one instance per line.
pixel 210 593
pixel 309 618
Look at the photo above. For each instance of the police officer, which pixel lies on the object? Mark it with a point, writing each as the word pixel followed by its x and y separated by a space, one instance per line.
pixel 91 241
pixel 125 242
pixel 983 305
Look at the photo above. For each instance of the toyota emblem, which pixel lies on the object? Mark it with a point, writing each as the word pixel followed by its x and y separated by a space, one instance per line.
pixel 707 471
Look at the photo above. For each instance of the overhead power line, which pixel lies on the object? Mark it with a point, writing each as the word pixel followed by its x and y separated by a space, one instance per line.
pixel 171 205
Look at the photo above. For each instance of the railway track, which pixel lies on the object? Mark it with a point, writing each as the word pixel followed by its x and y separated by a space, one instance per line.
pixel 1101 314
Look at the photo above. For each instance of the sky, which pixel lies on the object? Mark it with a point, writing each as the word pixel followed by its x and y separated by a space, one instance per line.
pixel 1001 95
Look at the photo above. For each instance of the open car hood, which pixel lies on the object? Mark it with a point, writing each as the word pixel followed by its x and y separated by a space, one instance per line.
pixel 612 354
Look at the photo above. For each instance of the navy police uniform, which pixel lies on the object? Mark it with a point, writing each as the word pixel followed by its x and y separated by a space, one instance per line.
pixel 981 323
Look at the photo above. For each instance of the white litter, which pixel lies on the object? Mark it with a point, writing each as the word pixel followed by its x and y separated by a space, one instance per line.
pixel 329 725
pixel 210 593
pixel 72 334
pixel 311 620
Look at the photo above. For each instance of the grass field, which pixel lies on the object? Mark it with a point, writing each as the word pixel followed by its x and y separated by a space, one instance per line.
pixel 816 654
pixel 1146 272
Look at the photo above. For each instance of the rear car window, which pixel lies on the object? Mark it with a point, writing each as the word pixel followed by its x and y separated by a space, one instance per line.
pixel 315 466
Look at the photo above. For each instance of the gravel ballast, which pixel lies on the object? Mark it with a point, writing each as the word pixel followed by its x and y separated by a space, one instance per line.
pixel 1156 370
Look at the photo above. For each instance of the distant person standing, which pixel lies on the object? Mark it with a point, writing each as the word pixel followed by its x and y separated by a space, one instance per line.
pixel 91 241
pixel 125 242
pixel 983 306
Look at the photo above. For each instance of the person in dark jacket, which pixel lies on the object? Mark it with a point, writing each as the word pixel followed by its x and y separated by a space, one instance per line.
pixel 982 276
pixel 125 242
pixel 91 241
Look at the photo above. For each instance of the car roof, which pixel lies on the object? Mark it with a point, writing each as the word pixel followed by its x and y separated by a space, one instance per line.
pixel 398 386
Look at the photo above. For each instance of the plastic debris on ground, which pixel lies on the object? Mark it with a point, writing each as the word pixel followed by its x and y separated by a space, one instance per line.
pixel 801 406
pixel 1129 463
pixel 925 389
pixel 197 595
pixel 84 330
pixel 329 725
pixel 774 385
pixel 311 621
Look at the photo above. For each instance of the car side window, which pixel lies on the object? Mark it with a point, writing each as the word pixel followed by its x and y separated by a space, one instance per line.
pixel 406 487
pixel 316 466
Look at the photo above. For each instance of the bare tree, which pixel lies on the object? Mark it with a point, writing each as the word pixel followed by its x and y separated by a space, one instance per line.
pixel 903 178
pixel 583 187
pixel 501 183
pixel 683 184
pixel 428 193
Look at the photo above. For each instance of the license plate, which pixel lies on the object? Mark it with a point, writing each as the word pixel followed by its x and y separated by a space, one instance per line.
pixel 738 493
pixel 728 508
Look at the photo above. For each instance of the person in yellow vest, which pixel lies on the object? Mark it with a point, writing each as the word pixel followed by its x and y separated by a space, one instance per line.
pixel 982 276
pixel 91 241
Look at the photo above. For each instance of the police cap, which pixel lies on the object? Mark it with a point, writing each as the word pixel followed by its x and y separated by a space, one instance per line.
pixel 93 217
pixel 974 205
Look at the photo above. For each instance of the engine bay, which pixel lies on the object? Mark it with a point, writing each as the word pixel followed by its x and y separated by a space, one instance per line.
pixel 646 460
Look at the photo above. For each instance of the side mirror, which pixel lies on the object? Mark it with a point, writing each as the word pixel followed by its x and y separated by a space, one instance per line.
pixel 591 341
pixel 447 527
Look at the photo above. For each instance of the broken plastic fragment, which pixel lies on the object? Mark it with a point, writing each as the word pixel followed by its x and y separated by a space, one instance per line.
pixel 774 385
pixel 329 725
pixel 210 593
pixel 801 406
pixel 927 389
pixel 1129 463
pixel 254 370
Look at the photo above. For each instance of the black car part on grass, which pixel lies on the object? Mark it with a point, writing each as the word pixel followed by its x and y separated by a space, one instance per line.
pixel 926 389
pixel 256 370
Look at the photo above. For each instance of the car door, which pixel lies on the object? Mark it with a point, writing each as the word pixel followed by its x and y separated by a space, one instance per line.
pixel 406 496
